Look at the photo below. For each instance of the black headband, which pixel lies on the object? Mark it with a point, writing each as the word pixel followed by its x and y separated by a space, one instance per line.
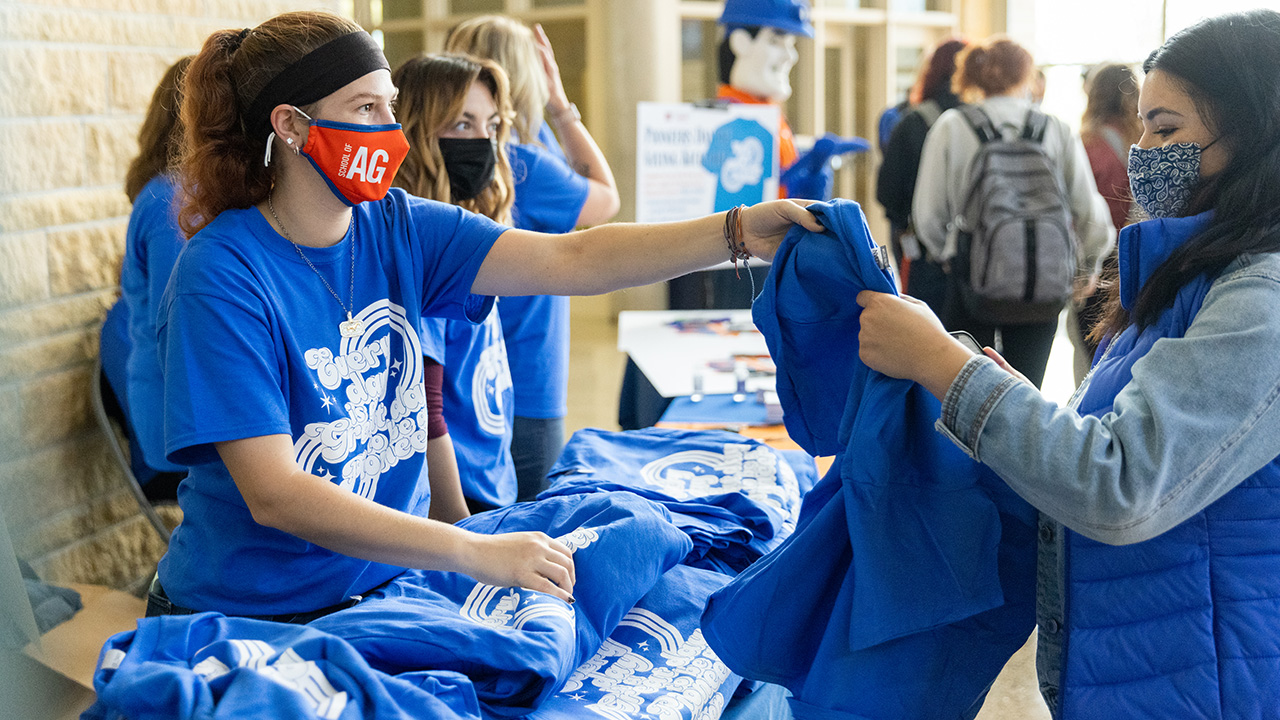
pixel 319 73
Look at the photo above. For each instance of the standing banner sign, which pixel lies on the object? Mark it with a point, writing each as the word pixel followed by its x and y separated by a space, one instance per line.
pixel 694 160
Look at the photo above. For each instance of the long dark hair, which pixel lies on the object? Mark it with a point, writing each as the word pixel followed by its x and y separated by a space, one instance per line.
pixel 936 81
pixel 1230 67
pixel 161 132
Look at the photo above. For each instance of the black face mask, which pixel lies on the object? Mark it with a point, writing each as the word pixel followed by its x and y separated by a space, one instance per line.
pixel 470 163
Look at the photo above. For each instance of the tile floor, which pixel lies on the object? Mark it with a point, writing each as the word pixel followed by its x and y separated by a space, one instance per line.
pixel 595 377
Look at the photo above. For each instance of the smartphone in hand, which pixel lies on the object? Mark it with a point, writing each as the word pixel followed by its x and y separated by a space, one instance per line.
pixel 968 341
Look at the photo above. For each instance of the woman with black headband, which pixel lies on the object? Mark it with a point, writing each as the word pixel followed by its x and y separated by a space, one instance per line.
pixel 288 333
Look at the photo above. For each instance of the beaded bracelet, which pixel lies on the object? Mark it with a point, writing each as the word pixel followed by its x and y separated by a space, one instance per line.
pixel 733 237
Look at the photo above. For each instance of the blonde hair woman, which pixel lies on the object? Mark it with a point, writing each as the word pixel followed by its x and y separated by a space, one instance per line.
pixel 556 190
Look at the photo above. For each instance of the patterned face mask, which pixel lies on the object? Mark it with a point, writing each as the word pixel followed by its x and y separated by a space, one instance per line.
pixel 1163 178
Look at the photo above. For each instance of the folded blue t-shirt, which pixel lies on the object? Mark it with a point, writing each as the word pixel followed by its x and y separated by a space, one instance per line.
pixel 207 666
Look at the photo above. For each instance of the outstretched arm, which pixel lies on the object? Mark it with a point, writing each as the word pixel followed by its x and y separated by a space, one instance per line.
pixel 619 255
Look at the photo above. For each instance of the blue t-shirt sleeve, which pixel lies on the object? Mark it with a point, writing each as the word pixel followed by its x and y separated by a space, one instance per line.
pixel 549 141
pixel 222 375
pixel 431 335
pixel 453 245
pixel 549 194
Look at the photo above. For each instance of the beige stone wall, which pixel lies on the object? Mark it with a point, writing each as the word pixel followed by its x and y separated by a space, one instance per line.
pixel 75 80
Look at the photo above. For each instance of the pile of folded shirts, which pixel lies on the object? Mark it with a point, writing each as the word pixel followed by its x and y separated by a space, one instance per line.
pixel 735 497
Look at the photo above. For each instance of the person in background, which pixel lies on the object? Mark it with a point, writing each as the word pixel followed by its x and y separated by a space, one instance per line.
pixel 304 283
pixel 456 113
pixel 152 244
pixel 923 275
pixel 993 75
pixel 1039 82
pixel 1159 484
pixel 1109 127
pixel 558 186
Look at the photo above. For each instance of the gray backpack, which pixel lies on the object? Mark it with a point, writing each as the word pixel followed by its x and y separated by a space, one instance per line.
pixel 1016 249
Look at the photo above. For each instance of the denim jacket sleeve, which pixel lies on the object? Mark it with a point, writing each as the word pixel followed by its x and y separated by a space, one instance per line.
pixel 1201 414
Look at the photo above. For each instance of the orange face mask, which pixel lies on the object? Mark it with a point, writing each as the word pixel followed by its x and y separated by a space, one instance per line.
pixel 358 161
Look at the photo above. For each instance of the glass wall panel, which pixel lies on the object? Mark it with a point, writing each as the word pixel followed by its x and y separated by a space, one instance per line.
pixel 467 7
pixel 699 55
pixel 401 9
pixel 569 40
pixel 400 46
pixel 907 62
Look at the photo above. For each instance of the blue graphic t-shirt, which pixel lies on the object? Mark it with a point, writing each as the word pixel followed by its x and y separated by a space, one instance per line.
pixel 250 346
pixel 735 497
pixel 198 667
pixel 549 198
pixel 741 158
pixel 152 244
pixel 478 405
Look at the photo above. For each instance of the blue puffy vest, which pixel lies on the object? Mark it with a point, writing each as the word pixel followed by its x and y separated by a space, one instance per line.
pixel 1177 626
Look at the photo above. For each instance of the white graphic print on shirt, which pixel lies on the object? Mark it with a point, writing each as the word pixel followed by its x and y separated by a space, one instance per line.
pixel 379 402
pixel 492 378
pixel 753 471
pixel 672 677
pixel 288 669
pixel 746 165
pixel 501 607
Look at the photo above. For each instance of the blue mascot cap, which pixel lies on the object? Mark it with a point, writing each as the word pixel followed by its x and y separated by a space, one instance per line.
pixel 790 16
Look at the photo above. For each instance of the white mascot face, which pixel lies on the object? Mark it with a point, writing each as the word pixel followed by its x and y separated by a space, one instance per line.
pixel 762 65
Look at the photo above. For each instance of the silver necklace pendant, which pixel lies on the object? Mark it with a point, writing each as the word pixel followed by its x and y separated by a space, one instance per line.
pixel 351 328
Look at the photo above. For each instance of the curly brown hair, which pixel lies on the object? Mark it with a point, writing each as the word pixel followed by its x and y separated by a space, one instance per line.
pixel 221 164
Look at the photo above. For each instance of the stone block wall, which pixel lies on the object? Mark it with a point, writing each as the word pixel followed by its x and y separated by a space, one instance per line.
pixel 75 80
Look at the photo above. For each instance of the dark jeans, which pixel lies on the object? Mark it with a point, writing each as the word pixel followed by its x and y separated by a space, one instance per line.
pixel 1026 347
pixel 535 447
pixel 158 603
pixel 927 281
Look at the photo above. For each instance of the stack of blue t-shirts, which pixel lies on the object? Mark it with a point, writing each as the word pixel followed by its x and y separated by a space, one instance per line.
pixel 910 579
pixel 735 497
pixel 519 646
pixel 656 664
pixel 207 666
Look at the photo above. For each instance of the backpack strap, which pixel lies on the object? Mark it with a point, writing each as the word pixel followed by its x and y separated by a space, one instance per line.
pixel 1034 126
pixel 929 111
pixel 980 123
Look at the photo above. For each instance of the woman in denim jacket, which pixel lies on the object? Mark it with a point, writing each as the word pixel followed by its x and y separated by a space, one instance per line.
pixel 1159 484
